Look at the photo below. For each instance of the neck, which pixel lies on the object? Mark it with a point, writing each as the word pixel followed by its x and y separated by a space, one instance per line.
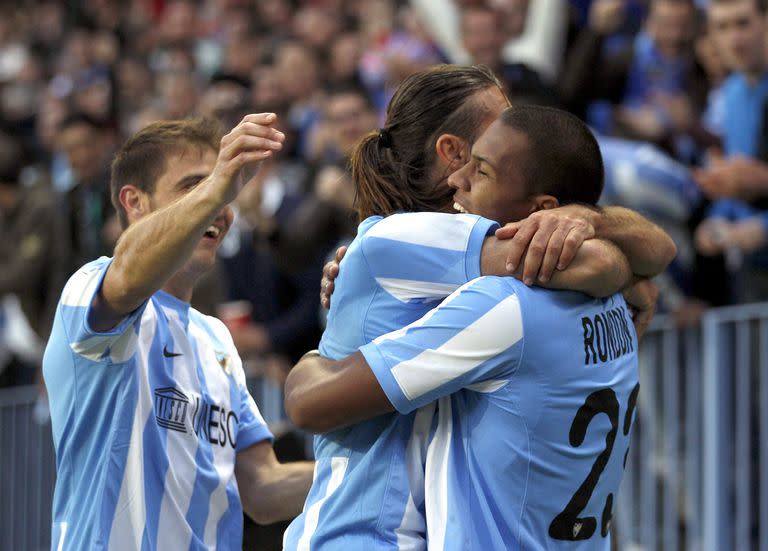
pixel 181 285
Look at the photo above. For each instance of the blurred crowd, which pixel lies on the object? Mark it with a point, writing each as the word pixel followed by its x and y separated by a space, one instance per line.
pixel 676 90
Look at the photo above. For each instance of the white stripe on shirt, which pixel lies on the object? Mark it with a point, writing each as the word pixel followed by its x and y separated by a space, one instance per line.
pixel 406 290
pixel 436 476
pixel 410 533
pixel 312 516
pixel 121 347
pixel 218 384
pixel 130 512
pixel 445 231
pixel 181 451
pixel 497 330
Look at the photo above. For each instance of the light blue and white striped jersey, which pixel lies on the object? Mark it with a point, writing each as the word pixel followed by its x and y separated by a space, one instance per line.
pixel 147 420
pixel 537 391
pixel 368 487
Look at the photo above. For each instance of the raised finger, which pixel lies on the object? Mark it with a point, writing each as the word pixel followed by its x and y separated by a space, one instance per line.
pixel 259 118
pixel 249 144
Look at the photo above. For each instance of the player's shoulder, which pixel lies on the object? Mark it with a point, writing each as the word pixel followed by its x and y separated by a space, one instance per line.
pixel 80 287
pixel 408 226
pixel 491 290
pixel 210 324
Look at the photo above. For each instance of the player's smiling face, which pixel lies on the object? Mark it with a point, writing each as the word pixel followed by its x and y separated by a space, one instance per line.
pixel 491 184
pixel 183 172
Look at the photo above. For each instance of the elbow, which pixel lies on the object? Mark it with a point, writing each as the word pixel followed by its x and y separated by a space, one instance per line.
pixel 608 273
pixel 298 414
pixel 298 408
pixel 263 513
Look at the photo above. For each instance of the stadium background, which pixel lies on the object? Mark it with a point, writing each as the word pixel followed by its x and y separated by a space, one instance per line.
pixel 78 77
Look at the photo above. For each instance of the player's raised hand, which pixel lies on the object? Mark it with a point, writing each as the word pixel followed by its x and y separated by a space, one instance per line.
pixel 251 141
pixel 330 273
pixel 549 239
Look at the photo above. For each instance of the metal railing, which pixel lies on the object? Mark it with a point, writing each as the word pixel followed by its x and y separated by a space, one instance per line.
pixel 27 472
pixel 696 478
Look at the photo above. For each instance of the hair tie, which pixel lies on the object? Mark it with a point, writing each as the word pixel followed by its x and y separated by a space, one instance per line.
pixel 385 138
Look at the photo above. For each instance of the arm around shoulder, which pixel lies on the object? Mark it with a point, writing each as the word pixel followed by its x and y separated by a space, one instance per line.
pixel 599 268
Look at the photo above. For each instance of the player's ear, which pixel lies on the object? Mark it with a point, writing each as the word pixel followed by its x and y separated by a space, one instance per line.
pixel 543 202
pixel 134 201
pixel 452 151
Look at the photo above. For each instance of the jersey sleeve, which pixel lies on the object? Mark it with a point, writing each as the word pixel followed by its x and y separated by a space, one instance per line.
pixel 474 337
pixel 75 306
pixel 417 257
pixel 252 428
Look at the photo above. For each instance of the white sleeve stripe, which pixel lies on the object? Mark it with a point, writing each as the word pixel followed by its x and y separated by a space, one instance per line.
pixel 121 348
pixel 487 387
pixel 406 290
pixel 430 229
pixel 493 333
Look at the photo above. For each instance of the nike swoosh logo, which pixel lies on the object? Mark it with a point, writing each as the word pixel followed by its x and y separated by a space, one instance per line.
pixel 168 354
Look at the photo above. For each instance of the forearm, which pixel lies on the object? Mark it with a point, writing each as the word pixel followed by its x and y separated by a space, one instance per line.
pixel 323 395
pixel 152 249
pixel 647 247
pixel 600 269
pixel 281 495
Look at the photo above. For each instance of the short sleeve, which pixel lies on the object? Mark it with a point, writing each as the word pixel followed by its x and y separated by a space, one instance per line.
pixel 75 308
pixel 251 426
pixel 475 336
pixel 417 257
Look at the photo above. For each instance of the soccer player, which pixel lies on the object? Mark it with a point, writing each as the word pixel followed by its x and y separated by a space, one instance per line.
pixel 536 389
pixel 362 493
pixel 158 443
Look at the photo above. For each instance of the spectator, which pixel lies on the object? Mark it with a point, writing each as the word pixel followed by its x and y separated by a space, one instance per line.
pixel 483 37
pixel 88 145
pixel 347 115
pixel 734 225
pixel 655 91
pixel 34 256
pixel 285 302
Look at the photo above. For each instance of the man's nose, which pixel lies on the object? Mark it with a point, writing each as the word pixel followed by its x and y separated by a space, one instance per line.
pixel 457 180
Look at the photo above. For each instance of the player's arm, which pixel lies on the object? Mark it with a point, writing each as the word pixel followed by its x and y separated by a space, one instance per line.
pixel 599 268
pixel 550 239
pixel 475 335
pixel 323 394
pixel 641 298
pixel 152 249
pixel 269 490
